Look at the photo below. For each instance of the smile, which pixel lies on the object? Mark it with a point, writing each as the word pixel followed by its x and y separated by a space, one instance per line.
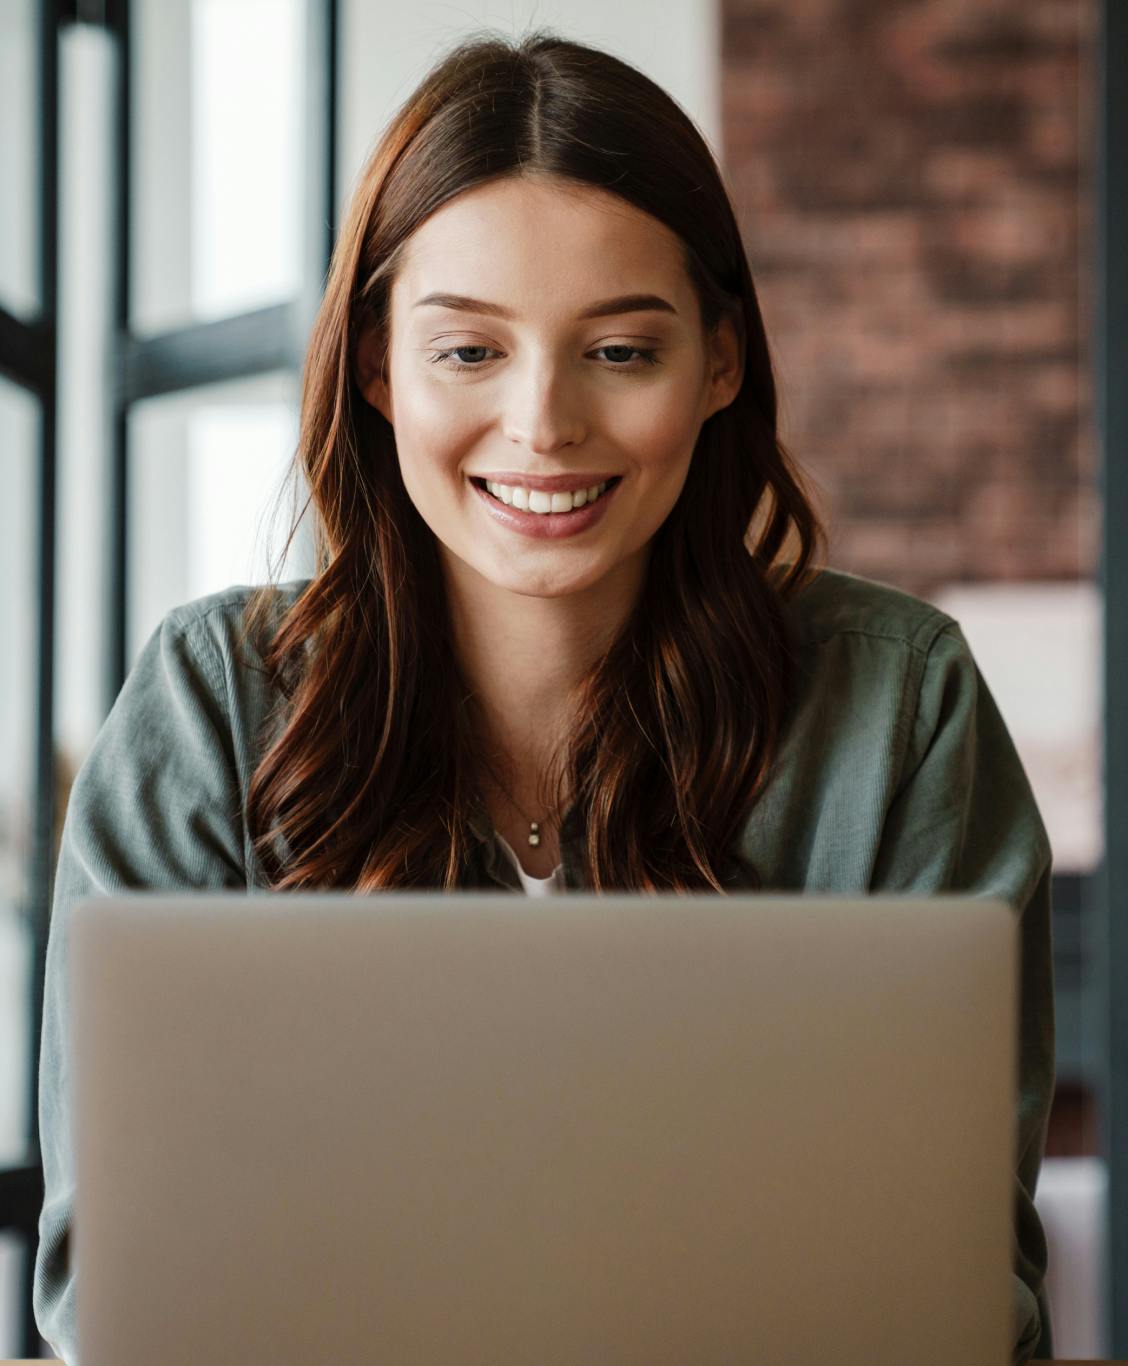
pixel 566 514
pixel 540 502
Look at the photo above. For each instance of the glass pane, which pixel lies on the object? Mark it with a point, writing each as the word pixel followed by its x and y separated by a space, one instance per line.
pixel 216 156
pixel 19 201
pixel 19 544
pixel 210 505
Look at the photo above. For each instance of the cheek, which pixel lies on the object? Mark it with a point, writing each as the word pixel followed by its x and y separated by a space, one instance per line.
pixel 432 431
pixel 660 434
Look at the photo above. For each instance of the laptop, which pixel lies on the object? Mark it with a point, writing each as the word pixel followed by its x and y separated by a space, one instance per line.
pixel 436 1130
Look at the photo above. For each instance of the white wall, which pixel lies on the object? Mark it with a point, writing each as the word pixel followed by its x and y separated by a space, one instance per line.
pixel 387 49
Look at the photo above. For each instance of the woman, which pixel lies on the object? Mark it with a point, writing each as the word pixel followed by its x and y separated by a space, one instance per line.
pixel 552 641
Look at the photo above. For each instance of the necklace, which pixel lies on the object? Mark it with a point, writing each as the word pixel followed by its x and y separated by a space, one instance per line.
pixel 534 826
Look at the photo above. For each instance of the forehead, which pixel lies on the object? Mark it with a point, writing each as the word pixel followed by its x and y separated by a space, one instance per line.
pixel 517 241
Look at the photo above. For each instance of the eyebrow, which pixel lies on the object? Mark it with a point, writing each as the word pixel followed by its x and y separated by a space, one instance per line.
pixel 606 308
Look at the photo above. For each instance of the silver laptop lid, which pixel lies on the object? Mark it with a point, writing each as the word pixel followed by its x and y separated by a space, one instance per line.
pixel 627 1129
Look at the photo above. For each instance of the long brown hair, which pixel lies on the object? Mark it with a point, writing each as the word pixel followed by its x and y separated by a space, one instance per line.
pixel 371 779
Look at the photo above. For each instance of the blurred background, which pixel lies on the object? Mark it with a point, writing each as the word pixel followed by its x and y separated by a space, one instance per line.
pixel 926 195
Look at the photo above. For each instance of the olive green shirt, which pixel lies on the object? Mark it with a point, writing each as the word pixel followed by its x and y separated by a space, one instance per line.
pixel 895 773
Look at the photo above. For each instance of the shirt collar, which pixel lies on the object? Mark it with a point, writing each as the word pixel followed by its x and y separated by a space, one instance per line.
pixel 735 874
pixel 496 868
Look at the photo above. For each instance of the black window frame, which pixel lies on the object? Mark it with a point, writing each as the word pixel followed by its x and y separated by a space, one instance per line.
pixel 1110 928
pixel 256 342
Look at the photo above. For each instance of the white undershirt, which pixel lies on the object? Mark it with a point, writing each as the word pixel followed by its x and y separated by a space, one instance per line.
pixel 535 886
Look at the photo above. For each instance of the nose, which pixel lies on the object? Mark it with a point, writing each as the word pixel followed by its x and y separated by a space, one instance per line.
pixel 543 410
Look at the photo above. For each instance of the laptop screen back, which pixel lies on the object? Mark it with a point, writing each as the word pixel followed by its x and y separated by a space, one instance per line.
pixel 623 1129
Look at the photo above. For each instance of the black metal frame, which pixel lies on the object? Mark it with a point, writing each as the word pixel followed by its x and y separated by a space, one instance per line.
pixel 1111 352
pixel 253 343
pixel 268 339
pixel 1074 911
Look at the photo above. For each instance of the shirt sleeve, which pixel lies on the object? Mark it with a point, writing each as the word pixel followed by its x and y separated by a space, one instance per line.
pixel 964 818
pixel 155 803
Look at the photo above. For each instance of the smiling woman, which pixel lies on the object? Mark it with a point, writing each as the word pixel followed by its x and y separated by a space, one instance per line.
pixel 566 630
pixel 539 426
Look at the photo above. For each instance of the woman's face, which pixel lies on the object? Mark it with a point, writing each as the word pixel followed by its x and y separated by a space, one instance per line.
pixel 508 360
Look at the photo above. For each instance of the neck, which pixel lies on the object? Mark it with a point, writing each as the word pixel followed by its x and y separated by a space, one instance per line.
pixel 523 656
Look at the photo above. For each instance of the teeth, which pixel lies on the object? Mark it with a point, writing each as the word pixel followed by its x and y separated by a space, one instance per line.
pixel 535 500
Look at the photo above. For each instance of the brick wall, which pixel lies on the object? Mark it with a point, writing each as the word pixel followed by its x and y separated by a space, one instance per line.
pixel 915 185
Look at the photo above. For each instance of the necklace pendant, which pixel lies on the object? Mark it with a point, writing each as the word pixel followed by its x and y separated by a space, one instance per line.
pixel 534 837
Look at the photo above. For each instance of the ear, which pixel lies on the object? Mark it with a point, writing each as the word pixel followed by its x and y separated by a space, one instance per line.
pixel 369 368
pixel 725 358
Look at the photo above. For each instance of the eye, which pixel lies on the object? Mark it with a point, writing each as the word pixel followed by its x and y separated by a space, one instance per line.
pixel 440 357
pixel 645 356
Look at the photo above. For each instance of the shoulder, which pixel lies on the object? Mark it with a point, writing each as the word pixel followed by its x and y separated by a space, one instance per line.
pixel 837 605
pixel 877 669
pixel 212 628
pixel 203 662
pixel 216 611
